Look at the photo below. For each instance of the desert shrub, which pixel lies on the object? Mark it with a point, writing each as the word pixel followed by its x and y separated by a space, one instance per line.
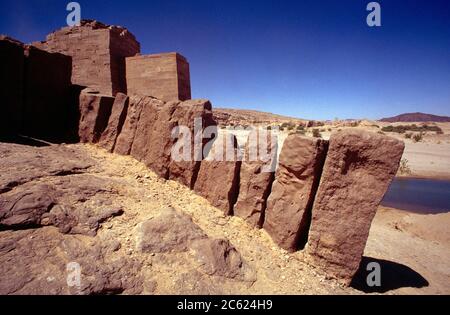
pixel 439 132
pixel 291 127
pixel 408 135
pixel 404 167
pixel 418 137
pixel 329 129
pixel 381 132
pixel 413 127
pixel 354 124
pixel 316 133
pixel 300 127
pixel 269 127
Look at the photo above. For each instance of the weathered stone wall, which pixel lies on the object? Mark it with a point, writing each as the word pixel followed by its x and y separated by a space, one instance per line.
pixel 164 76
pixel 98 54
pixel 37 99
pixel 11 83
pixel 334 216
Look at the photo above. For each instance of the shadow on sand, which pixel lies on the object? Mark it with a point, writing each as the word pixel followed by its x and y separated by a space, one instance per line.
pixel 393 276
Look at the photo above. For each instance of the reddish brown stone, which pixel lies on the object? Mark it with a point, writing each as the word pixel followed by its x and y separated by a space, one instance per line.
pixel 95 110
pixel 218 180
pixel 256 177
pixel 152 143
pixel 98 52
pixel 289 205
pixel 358 170
pixel 164 76
pixel 11 81
pixel 185 114
pixel 115 122
pixel 126 137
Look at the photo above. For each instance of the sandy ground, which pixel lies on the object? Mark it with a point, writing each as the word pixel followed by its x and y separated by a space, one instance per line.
pixel 413 249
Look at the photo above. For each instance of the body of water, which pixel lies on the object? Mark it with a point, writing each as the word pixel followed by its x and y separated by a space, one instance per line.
pixel 418 195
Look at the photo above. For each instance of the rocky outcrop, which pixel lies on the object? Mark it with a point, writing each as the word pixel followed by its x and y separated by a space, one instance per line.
pixel 95 110
pixel 218 257
pixel 171 231
pixel 256 176
pixel 218 177
pixel 357 172
pixel 53 181
pixel 289 204
pixel 115 122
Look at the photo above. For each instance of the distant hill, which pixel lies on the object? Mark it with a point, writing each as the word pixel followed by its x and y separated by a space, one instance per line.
pixel 416 117
pixel 228 116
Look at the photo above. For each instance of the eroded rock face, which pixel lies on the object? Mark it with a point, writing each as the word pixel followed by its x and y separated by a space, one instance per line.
pixel 218 180
pixel 21 164
pixel 289 205
pixel 52 189
pixel 186 114
pixel 256 177
pixel 358 169
pixel 171 231
pixel 95 110
pixel 152 143
pixel 218 257
pixel 36 262
pixel 126 137
pixel 115 122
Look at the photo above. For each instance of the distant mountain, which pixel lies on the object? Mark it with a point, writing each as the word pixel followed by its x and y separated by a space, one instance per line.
pixel 416 117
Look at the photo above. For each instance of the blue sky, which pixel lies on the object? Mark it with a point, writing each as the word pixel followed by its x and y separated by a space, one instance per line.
pixel 309 59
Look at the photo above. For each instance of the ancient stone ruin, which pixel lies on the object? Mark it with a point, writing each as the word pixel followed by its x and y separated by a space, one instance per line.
pixel 322 198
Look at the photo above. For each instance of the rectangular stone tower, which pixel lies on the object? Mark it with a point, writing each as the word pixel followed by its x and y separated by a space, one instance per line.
pixel 164 76
pixel 98 54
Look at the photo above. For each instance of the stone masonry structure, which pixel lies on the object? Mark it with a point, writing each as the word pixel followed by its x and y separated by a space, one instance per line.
pixel 164 76
pixel 98 54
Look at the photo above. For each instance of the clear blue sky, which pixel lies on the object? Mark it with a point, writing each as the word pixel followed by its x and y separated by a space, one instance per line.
pixel 310 59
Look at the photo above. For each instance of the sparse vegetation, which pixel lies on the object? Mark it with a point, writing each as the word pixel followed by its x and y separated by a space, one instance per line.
pixel 408 135
pixel 413 127
pixel 418 137
pixel 316 133
pixel 404 168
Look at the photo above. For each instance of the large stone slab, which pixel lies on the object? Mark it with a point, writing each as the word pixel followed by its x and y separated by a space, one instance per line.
pixel 47 92
pixel 358 169
pixel 187 114
pixel 11 82
pixel 95 110
pixel 115 122
pixel 289 205
pixel 256 176
pixel 152 142
pixel 125 139
pixel 218 179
